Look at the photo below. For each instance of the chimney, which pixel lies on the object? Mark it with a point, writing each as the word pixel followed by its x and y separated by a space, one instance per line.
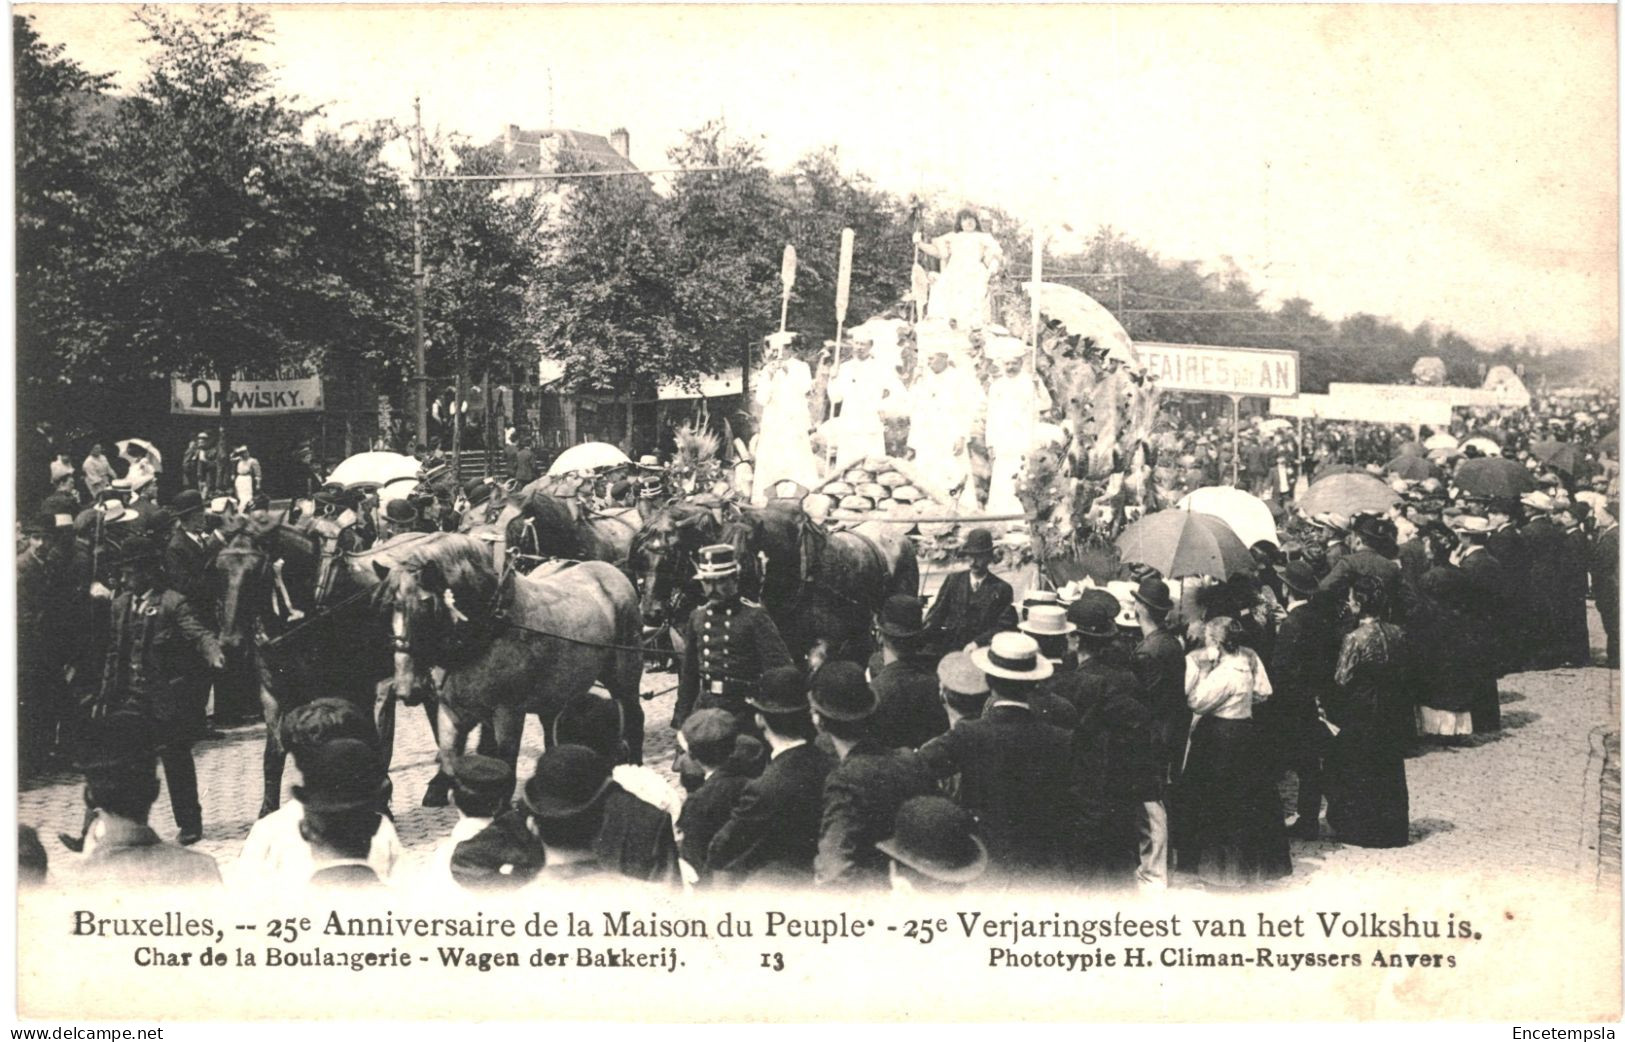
pixel 510 138
pixel 621 142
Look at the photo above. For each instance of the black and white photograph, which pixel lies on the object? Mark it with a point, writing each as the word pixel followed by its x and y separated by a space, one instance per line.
pixel 1115 507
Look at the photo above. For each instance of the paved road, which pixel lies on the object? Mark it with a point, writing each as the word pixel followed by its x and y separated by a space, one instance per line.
pixel 1540 797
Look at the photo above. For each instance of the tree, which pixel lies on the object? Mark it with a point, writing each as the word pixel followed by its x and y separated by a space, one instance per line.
pixel 57 105
pixel 234 243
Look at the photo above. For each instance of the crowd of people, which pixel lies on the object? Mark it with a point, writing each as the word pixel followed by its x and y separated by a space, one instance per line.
pixel 1135 732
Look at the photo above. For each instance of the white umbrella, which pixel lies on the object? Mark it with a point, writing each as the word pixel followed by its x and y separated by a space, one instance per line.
pixel 374 468
pixel 151 449
pixel 592 455
pixel 1243 512
pixel 1083 315
pixel 1441 441
pixel 1484 445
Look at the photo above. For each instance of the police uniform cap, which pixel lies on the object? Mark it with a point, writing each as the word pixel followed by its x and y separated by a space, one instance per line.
pixel 482 776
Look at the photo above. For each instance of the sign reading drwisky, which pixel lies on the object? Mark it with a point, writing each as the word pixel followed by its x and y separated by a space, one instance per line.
pixel 270 394
pixel 1221 370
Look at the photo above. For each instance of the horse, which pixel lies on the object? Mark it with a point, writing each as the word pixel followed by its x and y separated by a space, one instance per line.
pixel 512 644
pixel 554 522
pixel 314 634
pixel 821 588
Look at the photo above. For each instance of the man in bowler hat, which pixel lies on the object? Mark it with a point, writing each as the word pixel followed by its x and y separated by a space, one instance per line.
pixel 865 788
pixel 771 835
pixel 934 847
pixel 973 604
pixel 910 712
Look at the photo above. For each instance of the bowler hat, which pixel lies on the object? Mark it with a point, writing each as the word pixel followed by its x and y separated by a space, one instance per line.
pixel 1032 597
pixel 477 491
pixel 1095 614
pixel 1299 578
pixel 901 616
pixel 121 739
pixel 840 693
pixel 1014 656
pixel 782 689
pixel 401 512
pixel 1153 593
pixel 341 774
pixel 937 838
pixel 977 541
pixel 483 776
pixel 137 549
pixel 187 501
pixel 710 735
pixel 1377 533
pixel 497 858
pixel 717 561
pixel 958 674
pixel 569 779
pixel 1046 620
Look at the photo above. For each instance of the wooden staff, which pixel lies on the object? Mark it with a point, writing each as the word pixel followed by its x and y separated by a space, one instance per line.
pixel 787 277
pixel 843 293
pixel 1038 277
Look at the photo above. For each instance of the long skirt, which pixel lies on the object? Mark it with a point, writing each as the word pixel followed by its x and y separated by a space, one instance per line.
pixel 1367 801
pixel 1226 816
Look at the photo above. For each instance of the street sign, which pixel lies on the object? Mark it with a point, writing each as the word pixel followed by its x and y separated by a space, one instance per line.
pixel 1247 371
pixel 287 392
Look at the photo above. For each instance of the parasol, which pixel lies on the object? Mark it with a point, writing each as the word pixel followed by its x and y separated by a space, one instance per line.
pixel 374 469
pixel 1444 455
pixel 592 455
pixel 1441 441
pixel 1609 443
pixel 1411 468
pixel 1488 446
pixel 1333 469
pixel 1179 543
pixel 1083 315
pixel 152 451
pixel 1247 515
pixel 1495 478
pixel 1413 448
pixel 1560 454
pixel 1347 494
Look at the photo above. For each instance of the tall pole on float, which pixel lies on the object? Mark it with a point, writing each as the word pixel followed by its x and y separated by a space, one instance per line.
pixel 1038 278
pixel 420 378
pixel 843 293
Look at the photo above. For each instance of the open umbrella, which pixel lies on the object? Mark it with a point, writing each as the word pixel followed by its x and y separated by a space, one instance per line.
pixel 1411 468
pixel 1247 515
pixel 1083 315
pixel 1179 543
pixel 1347 494
pixel 1441 441
pixel 1331 470
pixel 1609 442
pixel 1413 448
pixel 1484 445
pixel 1560 454
pixel 152 451
pixel 374 469
pixel 592 455
pixel 1495 478
pixel 1444 455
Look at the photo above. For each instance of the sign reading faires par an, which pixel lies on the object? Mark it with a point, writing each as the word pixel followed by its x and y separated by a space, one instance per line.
pixel 251 394
pixel 1221 370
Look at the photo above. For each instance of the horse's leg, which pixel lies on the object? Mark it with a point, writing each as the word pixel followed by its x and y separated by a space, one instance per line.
pixel 508 725
pixel 451 734
pixel 276 757
pixel 622 679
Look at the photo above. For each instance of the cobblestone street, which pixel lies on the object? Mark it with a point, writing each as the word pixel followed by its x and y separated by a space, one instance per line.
pixel 1541 797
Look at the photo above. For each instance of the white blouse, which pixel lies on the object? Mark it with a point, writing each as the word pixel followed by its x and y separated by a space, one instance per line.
pixel 1228 690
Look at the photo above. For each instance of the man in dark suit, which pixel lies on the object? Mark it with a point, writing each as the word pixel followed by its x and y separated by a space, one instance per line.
pixel 1493 605
pixel 710 740
pixel 1543 595
pixel 1159 666
pixel 1372 551
pixel 910 712
pixel 864 790
pixel 1605 579
pixel 156 648
pixel 342 783
pixel 189 552
pixel 1574 564
pixel 1504 540
pixel 121 783
pixel 1014 770
pixel 771 836
pixel 973 604
pixel 1302 670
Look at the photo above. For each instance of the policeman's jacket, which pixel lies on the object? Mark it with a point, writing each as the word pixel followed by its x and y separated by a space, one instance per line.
pixel 728 647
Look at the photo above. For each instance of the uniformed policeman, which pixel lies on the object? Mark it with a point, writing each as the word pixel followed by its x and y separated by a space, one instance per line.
pixel 729 642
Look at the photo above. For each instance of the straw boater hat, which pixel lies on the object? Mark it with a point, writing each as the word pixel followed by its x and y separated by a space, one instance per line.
pixel 1012 656
pixel 716 562
pixel 1046 620
pixel 958 674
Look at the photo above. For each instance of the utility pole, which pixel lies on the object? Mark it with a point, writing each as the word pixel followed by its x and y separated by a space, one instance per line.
pixel 419 346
